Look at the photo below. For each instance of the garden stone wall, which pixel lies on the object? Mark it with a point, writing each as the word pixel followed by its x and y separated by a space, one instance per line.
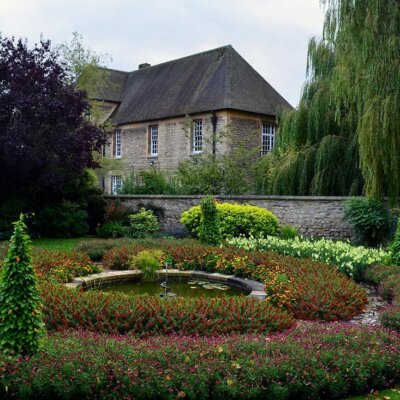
pixel 313 216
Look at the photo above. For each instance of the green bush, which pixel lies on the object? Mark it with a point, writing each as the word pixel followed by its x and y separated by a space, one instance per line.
pixel 149 262
pixel 209 223
pixel 395 247
pixel 142 224
pixel 288 232
pixel 65 220
pixel 20 305
pixel 113 229
pixel 370 221
pixel 235 220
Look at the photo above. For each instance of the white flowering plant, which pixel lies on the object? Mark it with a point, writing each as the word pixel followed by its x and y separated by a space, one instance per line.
pixel 350 260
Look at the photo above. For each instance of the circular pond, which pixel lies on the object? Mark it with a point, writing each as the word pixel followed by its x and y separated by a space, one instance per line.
pixel 191 288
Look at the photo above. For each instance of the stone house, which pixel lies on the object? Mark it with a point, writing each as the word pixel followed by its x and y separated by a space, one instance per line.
pixel 171 111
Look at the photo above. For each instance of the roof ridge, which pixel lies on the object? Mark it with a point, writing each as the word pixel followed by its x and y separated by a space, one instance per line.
pixel 227 47
pixel 113 69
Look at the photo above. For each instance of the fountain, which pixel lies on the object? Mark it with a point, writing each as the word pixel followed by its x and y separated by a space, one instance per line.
pixel 167 290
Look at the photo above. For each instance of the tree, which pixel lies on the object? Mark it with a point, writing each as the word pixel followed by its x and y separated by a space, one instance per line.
pixel 46 137
pixel 344 137
pixel 20 305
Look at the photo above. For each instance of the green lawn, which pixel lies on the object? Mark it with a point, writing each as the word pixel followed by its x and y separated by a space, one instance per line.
pixel 59 244
pixel 390 394
pixel 55 244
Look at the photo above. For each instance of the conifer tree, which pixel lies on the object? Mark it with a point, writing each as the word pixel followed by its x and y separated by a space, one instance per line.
pixel 20 305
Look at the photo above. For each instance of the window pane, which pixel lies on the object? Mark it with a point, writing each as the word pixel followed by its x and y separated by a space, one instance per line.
pixel 154 140
pixel 197 136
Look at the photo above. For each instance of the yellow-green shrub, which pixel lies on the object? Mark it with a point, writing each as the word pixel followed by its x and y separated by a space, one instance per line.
pixel 235 220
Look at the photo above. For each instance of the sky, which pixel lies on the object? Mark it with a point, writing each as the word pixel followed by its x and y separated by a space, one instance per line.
pixel 272 35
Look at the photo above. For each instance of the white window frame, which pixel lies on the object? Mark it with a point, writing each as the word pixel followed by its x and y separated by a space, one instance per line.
pixel 154 140
pixel 116 184
pixel 197 136
pixel 118 144
pixel 267 138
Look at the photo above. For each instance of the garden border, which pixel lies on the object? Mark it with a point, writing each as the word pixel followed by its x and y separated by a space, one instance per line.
pixel 256 288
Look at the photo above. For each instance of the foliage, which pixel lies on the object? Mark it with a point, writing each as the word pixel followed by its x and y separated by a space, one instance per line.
pixel 20 304
pixel 288 232
pixel 348 259
pixel 391 318
pixel 348 111
pixel 96 248
pixel 395 247
pixel 64 220
pixel 308 289
pixel 117 258
pixel 116 211
pixel 317 361
pixel 143 223
pixel 370 220
pixel 151 181
pixel 47 138
pixel 62 266
pixel 235 220
pixel 150 315
pixel 112 229
pixel 209 231
pixel 149 262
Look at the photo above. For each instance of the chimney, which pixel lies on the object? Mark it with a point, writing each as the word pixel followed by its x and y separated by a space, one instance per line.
pixel 145 65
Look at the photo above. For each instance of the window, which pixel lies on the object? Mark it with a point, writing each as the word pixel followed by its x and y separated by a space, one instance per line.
pixel 197 144
pixel 117 144
pixel 268 138
pixel 116 184
pixel 154 140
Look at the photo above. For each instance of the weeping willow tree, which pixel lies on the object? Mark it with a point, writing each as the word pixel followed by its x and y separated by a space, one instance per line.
pixel 344 137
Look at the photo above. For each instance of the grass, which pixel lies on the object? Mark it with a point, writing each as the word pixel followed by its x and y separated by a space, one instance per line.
pixel 54 244
pixel 390 394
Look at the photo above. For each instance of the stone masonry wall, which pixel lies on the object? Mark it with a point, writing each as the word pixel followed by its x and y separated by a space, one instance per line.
pixel 313 216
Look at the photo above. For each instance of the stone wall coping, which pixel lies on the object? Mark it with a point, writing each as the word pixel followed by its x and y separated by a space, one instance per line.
pixel 256 288
pixel 229 197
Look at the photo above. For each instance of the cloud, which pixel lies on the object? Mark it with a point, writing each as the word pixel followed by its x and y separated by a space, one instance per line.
pixel 271 35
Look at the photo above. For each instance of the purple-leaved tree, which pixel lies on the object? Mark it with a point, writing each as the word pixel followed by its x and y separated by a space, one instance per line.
pixel 46 136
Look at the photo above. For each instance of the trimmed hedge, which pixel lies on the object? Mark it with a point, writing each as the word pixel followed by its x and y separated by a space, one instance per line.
pixel 116 313
pixel 308 289
pixel 311 362
pixel 234 220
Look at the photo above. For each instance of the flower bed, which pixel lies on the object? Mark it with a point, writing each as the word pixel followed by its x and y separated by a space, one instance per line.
pixel 349 259
pixel 61 266
pixel 308 289
pixel 328 361
pixel 149 315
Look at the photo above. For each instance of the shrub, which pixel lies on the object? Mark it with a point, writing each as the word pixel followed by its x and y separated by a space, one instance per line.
pixel 117 258
pixel 66 220
pixel 62 266
pixel 20 305
pixel 395 247
pixel 149 315
pixel 143 223
pixel 390 318
pixel 95 249
pixel 209 231
pixel 370 221
pixel 112 229
pixel 348 259
pixel 149 262
pixel 313 362
pixel 288 232
pixel 235 220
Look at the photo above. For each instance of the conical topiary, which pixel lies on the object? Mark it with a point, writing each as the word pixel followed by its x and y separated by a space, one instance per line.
pixel 20 305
